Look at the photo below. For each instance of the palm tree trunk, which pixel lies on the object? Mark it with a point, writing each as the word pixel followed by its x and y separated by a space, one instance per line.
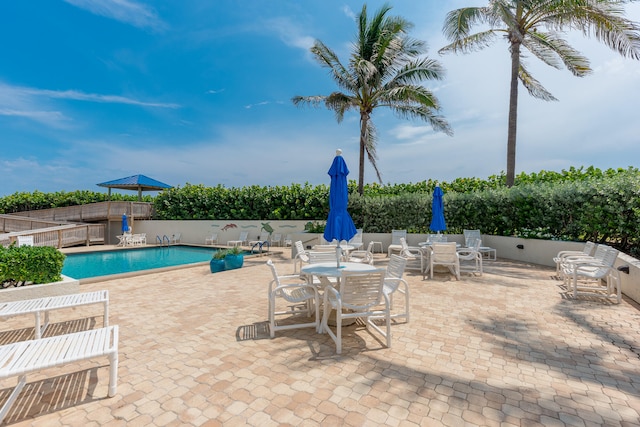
pixel 513 113
pixel 364 121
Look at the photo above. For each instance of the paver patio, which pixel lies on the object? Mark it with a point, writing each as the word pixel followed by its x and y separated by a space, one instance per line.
pixel 505 349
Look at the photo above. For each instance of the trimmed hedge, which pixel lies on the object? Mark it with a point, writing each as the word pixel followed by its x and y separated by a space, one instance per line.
pixel 30 265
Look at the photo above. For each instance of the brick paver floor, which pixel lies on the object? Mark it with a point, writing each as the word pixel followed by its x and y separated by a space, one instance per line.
pixel 509 348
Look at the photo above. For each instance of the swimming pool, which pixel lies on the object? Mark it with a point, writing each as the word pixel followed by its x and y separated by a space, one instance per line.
pixel 104 263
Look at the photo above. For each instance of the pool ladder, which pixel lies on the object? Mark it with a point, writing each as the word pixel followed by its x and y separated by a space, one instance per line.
pixel 162 240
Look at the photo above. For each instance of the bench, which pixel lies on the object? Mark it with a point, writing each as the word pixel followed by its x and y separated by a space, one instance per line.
pixel 46 304
pixel 24 357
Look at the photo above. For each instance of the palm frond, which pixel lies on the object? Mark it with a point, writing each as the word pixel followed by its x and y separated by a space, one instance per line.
pixel 533 86
pixel 551 50
pixel 340 103
pixel 328 59
pixel 417 71
pixel 437 122
pixel 370 146
pixel 472 43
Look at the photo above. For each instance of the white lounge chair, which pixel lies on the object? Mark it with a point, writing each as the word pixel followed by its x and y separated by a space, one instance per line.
pixel 562 255
pixel 264 237
pixel 276 239
pixel 19 359
pixel 212 239
pixel 44 305
pixel 300 296
pixel 242 239
pixel 356 241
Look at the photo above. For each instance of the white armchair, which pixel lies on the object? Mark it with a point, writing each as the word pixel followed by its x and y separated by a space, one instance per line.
pixel 444 254
pixel 301 299
pixel 359 295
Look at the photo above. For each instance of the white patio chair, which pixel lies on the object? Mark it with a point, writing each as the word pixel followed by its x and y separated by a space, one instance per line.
pixel 287 240
pixel 317 257
pixel 393 282
pixel 175 238
pixel 444 254
pixel 570 261
pixel 300 296
pixel 363 256
pixel 242 239
pixel 470 258
pixel 212 239
pixel 359 296
pixel 487 252
pixel 395 245
pixel 414 256
pixel 588 276
pixel 562 255
pixel 301 256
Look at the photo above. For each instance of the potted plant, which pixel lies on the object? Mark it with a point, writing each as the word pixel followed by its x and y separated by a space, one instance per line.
pixel 233 258
pixel 217 261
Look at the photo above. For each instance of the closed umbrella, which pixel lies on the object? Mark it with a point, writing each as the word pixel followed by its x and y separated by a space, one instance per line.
pixel 437 211
pixel 339 223
pixel 125 226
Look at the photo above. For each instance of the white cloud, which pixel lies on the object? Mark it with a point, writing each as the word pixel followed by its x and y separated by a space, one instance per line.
pixel 127 11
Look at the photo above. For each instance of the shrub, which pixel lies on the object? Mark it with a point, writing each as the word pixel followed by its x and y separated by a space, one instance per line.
pixel 30 265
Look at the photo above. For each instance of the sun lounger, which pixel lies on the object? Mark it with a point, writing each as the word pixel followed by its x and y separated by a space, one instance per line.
pixel 21 358
pixel 45 305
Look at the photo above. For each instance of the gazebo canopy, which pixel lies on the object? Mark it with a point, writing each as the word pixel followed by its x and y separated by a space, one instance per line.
pixel 135 182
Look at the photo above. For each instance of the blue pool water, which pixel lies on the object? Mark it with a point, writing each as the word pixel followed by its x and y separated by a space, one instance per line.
pixel 93 264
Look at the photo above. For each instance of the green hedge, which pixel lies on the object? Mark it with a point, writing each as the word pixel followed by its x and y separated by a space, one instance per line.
pixel 27 265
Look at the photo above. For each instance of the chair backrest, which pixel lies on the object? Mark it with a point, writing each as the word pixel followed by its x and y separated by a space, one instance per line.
pixel 610 257
pixel 316 257
pixel 600 252
pixel 361 291
pixel 276 279
pixel 470 235
pixel 214 237
pixel 276 237
pixel 395 267
pixel 25 240
pixel 444 252
pixel 370 247
pixel 405 247
pixel 243 235
pixel 436 238
pixel 588 248
pixel 264 236
pixel 396 235
pixel 302 253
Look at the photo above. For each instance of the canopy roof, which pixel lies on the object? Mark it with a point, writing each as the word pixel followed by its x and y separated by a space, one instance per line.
pixel 136 182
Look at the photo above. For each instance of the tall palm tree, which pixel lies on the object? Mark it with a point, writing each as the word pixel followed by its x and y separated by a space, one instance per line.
pixel 536 26
pixel 384 70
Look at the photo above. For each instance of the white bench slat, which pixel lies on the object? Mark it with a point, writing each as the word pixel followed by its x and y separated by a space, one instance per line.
pixel 24 357
pixel 46 304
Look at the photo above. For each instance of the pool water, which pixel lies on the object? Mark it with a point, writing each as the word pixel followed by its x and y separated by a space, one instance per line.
pixel 94 264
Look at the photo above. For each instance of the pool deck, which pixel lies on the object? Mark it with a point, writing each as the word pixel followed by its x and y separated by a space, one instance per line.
pixel 509 348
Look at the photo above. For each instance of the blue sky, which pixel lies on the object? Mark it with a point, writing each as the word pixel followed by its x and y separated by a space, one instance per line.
pixel 200 92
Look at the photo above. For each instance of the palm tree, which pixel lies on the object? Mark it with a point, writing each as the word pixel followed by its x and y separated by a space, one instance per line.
pixel 385 69
pixel 523 24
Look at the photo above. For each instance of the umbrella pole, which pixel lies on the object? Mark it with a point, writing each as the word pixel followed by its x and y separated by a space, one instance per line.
pixel 338 254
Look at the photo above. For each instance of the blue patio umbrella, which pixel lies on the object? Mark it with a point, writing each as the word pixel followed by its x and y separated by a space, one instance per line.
pixel 437 211
pixel 125 226
pixel 339 223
